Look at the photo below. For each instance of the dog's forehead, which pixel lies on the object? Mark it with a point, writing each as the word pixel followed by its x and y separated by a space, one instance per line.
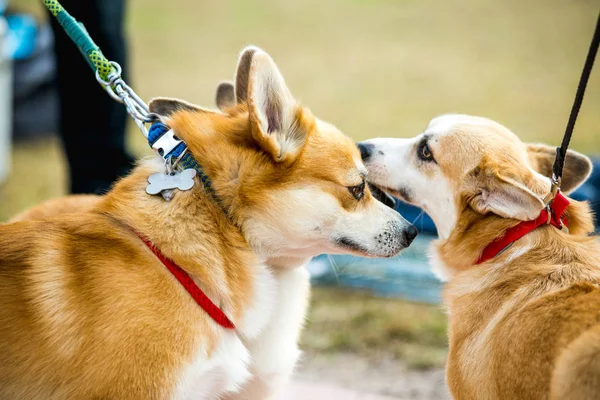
pixel 337 142
pixel 447 123
pixel 329 146
pixel 476 131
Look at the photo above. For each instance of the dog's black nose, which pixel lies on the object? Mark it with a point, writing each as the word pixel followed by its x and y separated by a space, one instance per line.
pixel 410 234
pixel 366 150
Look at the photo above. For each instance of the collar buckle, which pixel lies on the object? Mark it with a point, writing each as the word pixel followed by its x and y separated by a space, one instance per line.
pixel 166 143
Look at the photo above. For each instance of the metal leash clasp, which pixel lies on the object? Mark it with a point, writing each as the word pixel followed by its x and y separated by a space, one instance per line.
pixel 123 93
pixel 554 188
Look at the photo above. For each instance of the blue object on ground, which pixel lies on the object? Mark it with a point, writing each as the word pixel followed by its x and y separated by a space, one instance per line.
pixel 407 276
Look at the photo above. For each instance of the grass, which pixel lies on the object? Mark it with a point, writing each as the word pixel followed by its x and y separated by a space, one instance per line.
pixel 375 328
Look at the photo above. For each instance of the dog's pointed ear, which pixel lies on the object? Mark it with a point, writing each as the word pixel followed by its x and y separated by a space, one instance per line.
pixel 276 121
pixel 242 73
pixel 225 95
pixel 576 170
pixel 164 106
pixel 493 192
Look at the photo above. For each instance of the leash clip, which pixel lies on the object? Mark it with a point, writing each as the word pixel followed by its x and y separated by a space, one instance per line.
pixel 549 211
pixel 554 189
pixel 554 210
pixel 120 91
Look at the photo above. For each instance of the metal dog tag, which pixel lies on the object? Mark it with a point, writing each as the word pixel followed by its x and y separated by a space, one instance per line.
pixel 165 183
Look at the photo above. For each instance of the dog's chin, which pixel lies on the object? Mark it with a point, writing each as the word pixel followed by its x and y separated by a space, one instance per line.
pixel 382 196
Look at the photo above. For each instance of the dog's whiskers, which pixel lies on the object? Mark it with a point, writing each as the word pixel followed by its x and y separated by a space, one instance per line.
pixel 419 216
pixel 334 267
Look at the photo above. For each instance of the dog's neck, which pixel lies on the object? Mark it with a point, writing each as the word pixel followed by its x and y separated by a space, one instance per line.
pixel 474 232
pixel 287 262
pixel 190 229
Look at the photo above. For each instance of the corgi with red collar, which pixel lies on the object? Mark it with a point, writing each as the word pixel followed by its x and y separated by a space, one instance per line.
pixel 198 292
pixel 523 290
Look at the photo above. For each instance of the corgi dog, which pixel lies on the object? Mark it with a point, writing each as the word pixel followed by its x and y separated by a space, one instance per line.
pixel 524 310
pixel 200 294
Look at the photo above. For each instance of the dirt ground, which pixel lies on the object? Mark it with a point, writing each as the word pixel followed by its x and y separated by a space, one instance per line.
pixel 373 345
pixel 391 378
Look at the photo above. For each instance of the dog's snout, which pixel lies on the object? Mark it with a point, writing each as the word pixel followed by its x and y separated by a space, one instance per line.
pixel 410 234
pixel 366 150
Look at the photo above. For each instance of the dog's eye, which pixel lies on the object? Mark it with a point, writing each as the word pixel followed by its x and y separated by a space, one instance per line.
pixel 424 152
pixel 357 191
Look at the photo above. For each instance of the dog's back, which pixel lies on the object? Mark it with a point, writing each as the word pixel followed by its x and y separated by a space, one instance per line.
pixel 82 291
pixel 536 334
pixel 577 371
pixel 59 206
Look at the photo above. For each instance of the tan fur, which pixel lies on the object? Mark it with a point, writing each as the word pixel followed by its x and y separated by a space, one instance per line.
pixel 59 206
pixel 522 326
pixel 75 289
pixel 86 309
pixel 526 323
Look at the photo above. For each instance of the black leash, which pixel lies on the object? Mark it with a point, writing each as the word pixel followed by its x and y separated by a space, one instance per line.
pixel 561 151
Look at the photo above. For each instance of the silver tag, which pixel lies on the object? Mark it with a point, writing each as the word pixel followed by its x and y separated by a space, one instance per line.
pixel 160 182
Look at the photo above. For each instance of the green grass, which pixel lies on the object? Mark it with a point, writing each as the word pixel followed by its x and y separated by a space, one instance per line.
pixel 376 328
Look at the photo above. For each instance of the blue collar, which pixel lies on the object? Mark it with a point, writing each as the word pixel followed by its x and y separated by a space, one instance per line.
pixel 162 139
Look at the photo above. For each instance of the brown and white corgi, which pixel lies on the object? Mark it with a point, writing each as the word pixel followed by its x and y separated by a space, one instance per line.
pixel 89 308
pixel 525 318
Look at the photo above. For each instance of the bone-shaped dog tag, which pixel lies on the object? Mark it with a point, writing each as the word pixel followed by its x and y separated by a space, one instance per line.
pixel 160 182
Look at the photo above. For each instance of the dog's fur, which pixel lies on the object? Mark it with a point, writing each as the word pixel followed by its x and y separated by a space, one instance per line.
pixel 87 311
pixel 525 324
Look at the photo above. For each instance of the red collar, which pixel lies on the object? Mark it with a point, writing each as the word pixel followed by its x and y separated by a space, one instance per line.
pixel 188 283
pixel 551 215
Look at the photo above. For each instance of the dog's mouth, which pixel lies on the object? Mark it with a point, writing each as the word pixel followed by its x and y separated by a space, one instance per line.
pixel 354 248
pixel 382 195
pixel 351 245
pixel 401 193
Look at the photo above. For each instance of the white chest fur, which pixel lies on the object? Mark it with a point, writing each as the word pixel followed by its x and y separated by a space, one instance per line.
pixel 262 350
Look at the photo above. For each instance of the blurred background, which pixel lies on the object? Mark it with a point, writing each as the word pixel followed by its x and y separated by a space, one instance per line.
pixel 371 67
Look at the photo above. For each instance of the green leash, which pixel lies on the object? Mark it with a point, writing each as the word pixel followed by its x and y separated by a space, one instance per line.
pixel 78 34
pixel 108 73
pixel 160 137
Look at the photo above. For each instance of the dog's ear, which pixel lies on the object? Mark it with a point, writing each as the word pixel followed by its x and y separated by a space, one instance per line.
pixel 242 73
pixel 164 106
pixel 576 170
pixel 225 95
pixel 489 191
pixel 276 120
